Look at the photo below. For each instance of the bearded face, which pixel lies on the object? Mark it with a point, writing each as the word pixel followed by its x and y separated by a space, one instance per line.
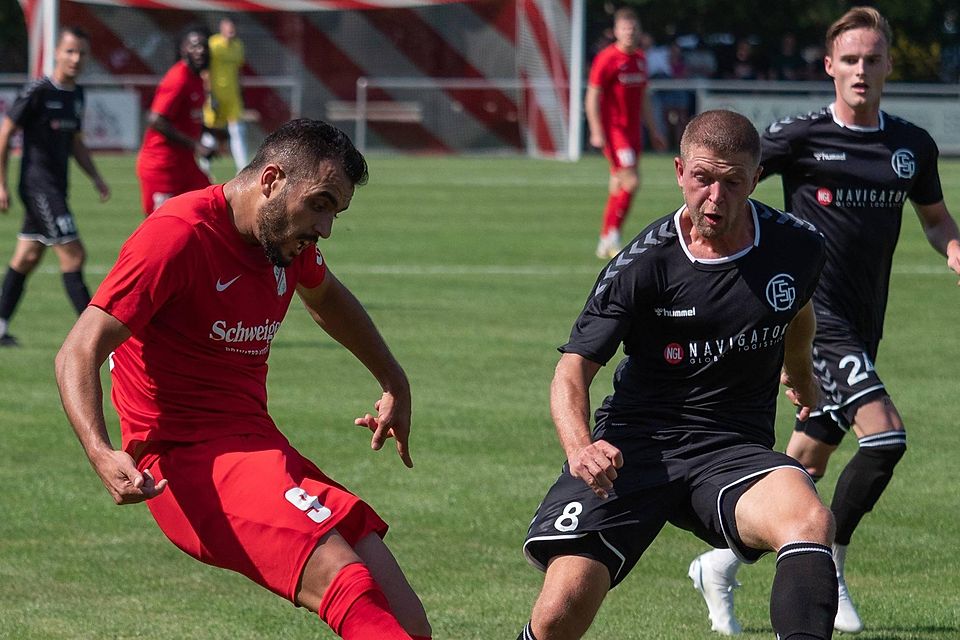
pixel 273 228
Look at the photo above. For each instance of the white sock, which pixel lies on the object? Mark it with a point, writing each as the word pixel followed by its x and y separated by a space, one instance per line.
pixel 238 144
pixel 839 557
pixel 3 327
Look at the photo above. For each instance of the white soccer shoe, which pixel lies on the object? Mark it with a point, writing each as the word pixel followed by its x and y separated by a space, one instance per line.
pixel 717 591
pixel 847 619
pixel 609 245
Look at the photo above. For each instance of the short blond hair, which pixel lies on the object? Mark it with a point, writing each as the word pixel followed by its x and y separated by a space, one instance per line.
pixel 625 13
pixel 859 18
pixel 722 131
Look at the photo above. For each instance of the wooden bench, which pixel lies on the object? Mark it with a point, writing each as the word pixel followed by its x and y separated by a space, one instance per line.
pixel 376 111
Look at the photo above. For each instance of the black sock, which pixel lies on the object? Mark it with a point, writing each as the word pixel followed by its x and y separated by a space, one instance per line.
pixel 527 633
pixel 76 290
pixel 864 478
pixel 11 292
pixel 803 600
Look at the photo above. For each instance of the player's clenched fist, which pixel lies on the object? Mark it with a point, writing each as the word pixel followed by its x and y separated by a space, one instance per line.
pixel 596 464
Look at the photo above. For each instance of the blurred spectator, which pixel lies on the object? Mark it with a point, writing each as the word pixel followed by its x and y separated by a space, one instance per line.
pixel 788 64
pixel 950 47
pixel 658 64
pixel 746 64
pixel 677 104
pixel 813 56
pixel 658 67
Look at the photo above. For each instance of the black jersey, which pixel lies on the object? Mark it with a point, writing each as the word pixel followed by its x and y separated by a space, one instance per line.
pixel 703 338
pixel 852 184
pixel 50 117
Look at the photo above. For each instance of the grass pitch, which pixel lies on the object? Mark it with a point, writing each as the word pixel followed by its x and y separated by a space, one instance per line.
pixel 474 270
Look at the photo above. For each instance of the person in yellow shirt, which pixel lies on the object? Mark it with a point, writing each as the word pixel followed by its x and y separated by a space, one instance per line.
pixel 224 109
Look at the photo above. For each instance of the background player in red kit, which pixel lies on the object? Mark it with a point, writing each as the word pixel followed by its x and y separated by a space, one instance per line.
pixel 616 100
pixel 166 164
pixel 187 316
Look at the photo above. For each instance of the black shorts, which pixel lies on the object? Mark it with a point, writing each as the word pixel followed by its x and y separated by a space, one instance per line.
pixel 843 362
pixel 47 218
pixel 690 480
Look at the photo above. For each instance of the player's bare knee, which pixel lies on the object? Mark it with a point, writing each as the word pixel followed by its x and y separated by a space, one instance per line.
pixel 556 619
pixel 72 257
pixel 26 260
pixel 813 524
pixel 816 471
pixel 329 557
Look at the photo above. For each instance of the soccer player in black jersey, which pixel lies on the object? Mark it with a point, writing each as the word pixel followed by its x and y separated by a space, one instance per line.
pixel 50 112
pixel 711 305
pixel 848 169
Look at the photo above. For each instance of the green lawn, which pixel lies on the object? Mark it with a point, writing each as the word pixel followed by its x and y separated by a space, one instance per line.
pixel 474 269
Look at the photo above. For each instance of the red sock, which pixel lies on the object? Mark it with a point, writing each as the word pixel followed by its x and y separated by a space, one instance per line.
pixel 356 609
pixel 618 205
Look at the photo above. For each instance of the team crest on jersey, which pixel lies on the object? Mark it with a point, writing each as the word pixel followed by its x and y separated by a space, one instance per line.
pixel 281 275
pixel 781 294
pixel 904 163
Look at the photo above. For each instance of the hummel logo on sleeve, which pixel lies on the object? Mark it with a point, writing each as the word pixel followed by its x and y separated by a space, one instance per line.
pixel 222 286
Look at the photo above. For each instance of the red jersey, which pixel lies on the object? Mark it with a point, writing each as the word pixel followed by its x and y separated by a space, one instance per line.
pixel 622 80
pixel 179 98
pixel 202 306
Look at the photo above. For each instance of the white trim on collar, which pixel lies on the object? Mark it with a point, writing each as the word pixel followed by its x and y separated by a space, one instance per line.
pixel 855 127
pixel 730 258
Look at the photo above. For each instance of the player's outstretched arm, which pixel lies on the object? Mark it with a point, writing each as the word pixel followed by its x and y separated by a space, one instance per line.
pixel 595 463
pixel 7 129
pixel 342 316
pixel 82 153
pixel 88 344
pixel 941 231
pixel 803 390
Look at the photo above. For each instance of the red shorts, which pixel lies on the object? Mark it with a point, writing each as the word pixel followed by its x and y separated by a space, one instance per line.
pixel 622 149
pixel 252 504
pixel 156 187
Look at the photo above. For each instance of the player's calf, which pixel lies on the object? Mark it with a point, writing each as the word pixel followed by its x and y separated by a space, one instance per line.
pixel 355 607
pixel 803 600
pixel 864 479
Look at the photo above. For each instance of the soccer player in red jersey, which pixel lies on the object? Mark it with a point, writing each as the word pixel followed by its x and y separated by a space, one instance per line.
pixel 186 317
pixel 166 164
pixel 616 100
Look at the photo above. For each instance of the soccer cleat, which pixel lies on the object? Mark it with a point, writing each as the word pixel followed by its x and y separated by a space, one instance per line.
pixel 7 340
pixel 717 591
pixel 609 245
pixel 847 619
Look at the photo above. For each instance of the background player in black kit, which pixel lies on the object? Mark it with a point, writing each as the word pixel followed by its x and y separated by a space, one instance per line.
pixel 711 304
pixel 50 112
pixel 848 169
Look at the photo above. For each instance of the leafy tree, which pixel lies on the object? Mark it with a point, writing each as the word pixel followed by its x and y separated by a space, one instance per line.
pixel 13 38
